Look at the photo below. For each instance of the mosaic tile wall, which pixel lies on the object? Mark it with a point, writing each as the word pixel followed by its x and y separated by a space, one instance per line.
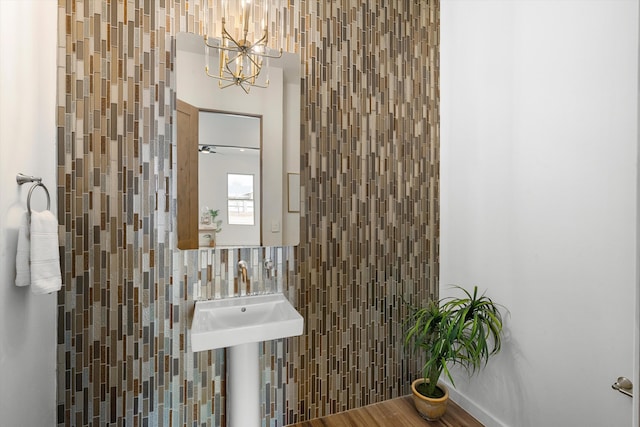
pixel 369 229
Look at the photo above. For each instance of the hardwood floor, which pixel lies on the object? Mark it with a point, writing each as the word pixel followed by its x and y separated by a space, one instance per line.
pixel 398 412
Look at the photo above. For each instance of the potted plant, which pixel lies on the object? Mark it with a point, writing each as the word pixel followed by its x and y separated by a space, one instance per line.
pixel 210 224
pixel 462 330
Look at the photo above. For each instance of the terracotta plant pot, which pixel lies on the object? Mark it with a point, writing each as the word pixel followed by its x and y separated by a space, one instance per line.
pixel 430 408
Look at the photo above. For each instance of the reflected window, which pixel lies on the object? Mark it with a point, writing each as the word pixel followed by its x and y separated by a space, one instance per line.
pixel 240 199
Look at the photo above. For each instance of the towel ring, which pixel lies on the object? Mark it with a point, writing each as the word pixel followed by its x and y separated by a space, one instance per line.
pixel 23 179
pixel 33 187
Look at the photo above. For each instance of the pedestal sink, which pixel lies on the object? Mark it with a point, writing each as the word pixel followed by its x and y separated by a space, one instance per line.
pixel 239 324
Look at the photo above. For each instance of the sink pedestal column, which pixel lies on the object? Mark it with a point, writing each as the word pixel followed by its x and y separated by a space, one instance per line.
pixel 243 385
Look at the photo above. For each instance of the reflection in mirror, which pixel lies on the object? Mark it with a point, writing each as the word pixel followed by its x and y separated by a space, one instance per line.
pixel 240 199
pixel 229 178
pixel 205 163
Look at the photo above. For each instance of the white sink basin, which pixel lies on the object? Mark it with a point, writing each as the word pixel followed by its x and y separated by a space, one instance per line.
pixel 232 321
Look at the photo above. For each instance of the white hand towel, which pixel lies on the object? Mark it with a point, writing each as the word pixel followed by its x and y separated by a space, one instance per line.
pixel 45 259
pixel 23 254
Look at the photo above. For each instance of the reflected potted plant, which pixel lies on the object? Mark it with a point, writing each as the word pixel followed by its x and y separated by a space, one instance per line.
pixel 211 225
pixel 213 213
pixel 216 223
pixel 463 331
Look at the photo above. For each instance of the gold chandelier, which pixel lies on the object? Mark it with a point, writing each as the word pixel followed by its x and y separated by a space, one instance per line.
pixel 243 46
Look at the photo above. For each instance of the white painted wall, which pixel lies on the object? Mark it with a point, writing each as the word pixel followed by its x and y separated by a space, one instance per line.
pixel 539 187
pixel 291 164
pixel 27 144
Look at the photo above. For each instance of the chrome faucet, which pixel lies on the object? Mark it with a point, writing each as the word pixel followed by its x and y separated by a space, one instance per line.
pixel 243 276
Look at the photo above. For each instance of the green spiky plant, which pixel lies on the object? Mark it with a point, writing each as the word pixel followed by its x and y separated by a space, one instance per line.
pixel 463 331
pixel 216 222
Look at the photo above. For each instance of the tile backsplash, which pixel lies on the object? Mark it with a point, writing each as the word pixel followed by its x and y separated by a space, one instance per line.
pixel 369 224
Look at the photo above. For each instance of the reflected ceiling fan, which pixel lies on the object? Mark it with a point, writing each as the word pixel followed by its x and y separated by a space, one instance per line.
pixel 207 149
pixel 225 149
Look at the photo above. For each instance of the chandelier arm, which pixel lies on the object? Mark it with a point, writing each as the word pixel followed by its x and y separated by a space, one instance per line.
pixel 235 49
pixel 232 67
pixel 231 60
pixel 228 68
pixel 261 86
pixel 256 85
pixel 235 81
pixel 246 77
pixel 229 85
pixel 226 35
pixel 224 79
pixel 228 49
pixel 254 62
pixel 262 55
pixel 246 90
pixel 249 76
pixel 265 54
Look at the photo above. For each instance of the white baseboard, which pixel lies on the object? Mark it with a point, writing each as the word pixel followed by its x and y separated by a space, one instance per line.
pixel 478 412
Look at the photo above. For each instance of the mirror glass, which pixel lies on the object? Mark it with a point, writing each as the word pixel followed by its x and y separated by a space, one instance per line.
pixel 229 179
pixel 236 153
pixel 240 199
